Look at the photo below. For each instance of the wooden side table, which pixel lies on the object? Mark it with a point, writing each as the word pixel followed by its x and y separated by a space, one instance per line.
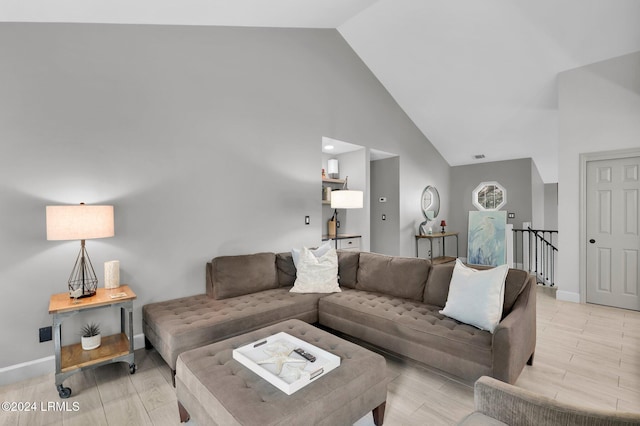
pixel 115 348
pixel 430 238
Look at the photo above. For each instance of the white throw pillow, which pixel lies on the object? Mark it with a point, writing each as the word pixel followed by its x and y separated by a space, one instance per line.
pixel 476 297
pixel 324 247
pixel 317 274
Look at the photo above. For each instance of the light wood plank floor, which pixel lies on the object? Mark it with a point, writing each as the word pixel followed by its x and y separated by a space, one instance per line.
pixel 586 354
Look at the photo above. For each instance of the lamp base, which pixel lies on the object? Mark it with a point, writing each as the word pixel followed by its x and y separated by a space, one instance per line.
pixel 82 281
pixel 331 228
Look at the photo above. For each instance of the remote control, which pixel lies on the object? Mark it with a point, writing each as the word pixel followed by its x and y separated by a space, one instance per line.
pixel 305 355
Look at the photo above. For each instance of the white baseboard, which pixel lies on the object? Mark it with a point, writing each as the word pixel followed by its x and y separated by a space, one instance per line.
pixel 39 367
pixel 26 370
pixel 568 296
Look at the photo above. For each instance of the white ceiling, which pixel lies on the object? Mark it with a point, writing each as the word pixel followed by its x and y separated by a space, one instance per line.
pixel 476 76
pixel 336 147
pixel 479 77
pixel 245 13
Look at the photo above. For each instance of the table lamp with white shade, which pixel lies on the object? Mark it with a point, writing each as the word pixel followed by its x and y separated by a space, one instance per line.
pixel 80 222
pixel 345 199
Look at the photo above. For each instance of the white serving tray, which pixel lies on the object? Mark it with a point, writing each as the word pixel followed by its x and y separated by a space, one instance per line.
pixel 294 375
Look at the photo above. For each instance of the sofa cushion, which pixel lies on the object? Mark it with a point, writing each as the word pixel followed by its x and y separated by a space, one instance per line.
pixel 422 332
pixel 316 274
pixel 437 288
pixel 286 269
pixel 348 268
pixel 239 275
pixel 396 276
pixel 189 322
pixel 476 297
pixel 318 252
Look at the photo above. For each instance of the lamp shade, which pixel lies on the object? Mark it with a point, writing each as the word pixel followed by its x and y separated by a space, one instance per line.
pixel 347 199
pixel 79 222
pixel 443 223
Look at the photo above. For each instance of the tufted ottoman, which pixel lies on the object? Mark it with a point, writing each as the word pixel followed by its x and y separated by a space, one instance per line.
pixel 216 389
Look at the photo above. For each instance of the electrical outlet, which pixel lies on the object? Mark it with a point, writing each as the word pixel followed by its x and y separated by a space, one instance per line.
pixel 45 334
pixel 384 217
pixel 512 215
pixel 338 224
pixel 307 220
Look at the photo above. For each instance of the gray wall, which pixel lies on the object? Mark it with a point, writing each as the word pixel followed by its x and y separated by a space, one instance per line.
pixel 537 198
pixel 205 139
pixel 551 206
pixel 385 182
pixel 599 106
pixel 514 175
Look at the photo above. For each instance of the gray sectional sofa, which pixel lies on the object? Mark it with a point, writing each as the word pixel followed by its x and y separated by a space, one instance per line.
pixel 391 302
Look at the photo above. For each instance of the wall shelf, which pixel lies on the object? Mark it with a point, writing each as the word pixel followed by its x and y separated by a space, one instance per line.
pixel 328 180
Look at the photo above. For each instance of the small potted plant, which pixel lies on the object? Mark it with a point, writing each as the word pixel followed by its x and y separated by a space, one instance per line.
pixel 90 336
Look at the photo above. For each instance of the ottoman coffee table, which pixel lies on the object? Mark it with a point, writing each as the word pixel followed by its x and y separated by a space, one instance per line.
pixel 214 388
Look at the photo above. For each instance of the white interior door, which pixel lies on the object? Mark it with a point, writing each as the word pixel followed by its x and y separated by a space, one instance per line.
pixel 613 239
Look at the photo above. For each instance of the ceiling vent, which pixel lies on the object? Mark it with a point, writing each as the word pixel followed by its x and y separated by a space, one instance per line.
pixel 478 156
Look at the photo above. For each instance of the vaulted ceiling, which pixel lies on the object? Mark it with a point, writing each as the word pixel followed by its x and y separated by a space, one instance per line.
pixel 476 76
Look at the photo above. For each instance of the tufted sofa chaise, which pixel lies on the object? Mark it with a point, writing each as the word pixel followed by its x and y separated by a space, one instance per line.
pixel 388 301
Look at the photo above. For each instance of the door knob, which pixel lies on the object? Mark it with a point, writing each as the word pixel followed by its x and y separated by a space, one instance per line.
pixel 592 241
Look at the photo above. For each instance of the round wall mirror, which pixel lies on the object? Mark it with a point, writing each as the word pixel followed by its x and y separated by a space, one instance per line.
pixel 489 196
pixel 430 203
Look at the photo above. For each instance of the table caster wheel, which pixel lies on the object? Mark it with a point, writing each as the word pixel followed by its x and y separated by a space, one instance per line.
pixel 64 392
pixel 132 368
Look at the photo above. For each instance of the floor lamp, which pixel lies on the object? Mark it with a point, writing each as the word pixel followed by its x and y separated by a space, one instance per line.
pixel 80 222
pixel 345 199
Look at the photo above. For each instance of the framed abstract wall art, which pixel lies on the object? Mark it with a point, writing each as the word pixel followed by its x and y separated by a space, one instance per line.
pixel 487 238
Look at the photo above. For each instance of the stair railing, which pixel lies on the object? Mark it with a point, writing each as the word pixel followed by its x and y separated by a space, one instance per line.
pixel 536 251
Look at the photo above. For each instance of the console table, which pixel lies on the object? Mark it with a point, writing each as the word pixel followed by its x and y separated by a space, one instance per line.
pixel 115 348
pixel 443 236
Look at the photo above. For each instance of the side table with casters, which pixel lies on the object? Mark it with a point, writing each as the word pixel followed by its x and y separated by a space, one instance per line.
pixel 114 348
